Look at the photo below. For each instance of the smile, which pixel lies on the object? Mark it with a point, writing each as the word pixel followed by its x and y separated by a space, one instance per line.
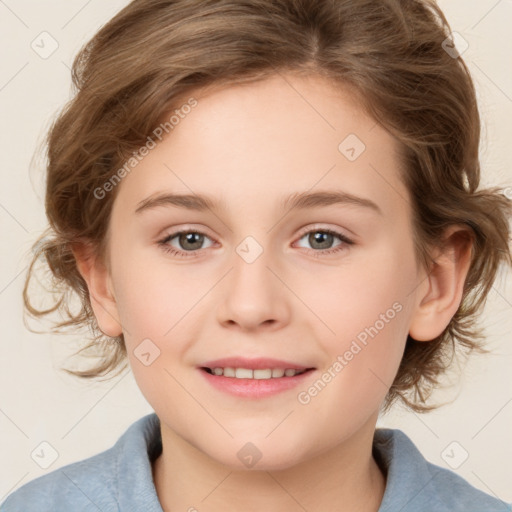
pixel 260 374
pixel 256 383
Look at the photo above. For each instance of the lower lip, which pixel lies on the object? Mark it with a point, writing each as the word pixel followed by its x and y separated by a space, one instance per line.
pixel 254 388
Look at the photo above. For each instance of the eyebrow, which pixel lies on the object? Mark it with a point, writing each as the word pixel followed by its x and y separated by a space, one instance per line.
pixel 296 201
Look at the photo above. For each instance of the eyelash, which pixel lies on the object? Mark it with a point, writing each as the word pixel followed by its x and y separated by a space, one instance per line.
pixel 164 243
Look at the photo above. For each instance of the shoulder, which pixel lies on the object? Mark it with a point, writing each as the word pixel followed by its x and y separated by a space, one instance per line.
pixel 91 484
pixel 419 485
pixel 84 485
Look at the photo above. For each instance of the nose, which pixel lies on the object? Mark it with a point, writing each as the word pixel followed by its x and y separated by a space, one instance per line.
pixel 254 295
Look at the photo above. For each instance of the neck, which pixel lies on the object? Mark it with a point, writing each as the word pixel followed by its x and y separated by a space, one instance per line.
pixel 345 478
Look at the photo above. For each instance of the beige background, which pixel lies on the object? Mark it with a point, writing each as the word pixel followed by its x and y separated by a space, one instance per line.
pixel 79 419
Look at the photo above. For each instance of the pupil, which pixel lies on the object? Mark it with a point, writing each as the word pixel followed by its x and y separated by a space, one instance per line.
pixel 318 237
pixel 189 238
pixel 323 239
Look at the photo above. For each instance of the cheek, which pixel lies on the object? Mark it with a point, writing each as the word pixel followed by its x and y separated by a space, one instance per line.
pixel 365 315
pixel 356 296
pixel 152 296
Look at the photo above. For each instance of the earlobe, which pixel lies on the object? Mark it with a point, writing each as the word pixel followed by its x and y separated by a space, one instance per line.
pixel 98 280
pixel 441 294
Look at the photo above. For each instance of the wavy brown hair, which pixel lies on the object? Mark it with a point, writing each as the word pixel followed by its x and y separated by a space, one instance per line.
pixel 154 53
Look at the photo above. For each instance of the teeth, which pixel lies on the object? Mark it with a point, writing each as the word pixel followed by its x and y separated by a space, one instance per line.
pixel 243 373
pixel 277 372
pixel 263 374
pixel 227 372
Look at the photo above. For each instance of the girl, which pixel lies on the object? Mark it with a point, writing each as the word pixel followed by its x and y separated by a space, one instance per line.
pixel 209 148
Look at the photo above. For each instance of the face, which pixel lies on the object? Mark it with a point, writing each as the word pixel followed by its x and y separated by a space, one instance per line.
pixel 261 272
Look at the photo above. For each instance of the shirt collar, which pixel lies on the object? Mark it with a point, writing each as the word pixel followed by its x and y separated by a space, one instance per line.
pixel 412 483
pixel 407 472
pixel 136 449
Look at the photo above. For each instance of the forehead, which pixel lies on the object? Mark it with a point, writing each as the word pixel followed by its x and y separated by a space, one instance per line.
pixel 268 139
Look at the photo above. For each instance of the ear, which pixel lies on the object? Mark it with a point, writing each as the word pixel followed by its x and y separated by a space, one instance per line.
pixel 441 293
pixel 99 284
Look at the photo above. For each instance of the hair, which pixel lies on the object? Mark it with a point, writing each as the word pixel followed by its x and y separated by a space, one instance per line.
pixel 391 53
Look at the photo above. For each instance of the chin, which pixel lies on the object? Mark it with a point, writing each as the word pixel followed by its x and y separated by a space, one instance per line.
pixel 249 457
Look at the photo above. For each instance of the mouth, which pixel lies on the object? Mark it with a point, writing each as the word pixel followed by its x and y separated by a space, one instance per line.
pixel 254 378
pixel 258 374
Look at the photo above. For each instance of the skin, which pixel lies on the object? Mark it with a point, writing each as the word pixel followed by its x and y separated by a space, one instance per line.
pixel 250 146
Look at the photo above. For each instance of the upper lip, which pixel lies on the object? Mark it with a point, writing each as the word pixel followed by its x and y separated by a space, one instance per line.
pixel 253 364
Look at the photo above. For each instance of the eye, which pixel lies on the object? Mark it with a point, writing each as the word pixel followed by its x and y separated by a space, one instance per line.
pixel 191 241
pixel 322 239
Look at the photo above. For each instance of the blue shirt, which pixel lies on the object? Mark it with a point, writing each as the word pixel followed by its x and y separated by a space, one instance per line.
pixel 120 479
